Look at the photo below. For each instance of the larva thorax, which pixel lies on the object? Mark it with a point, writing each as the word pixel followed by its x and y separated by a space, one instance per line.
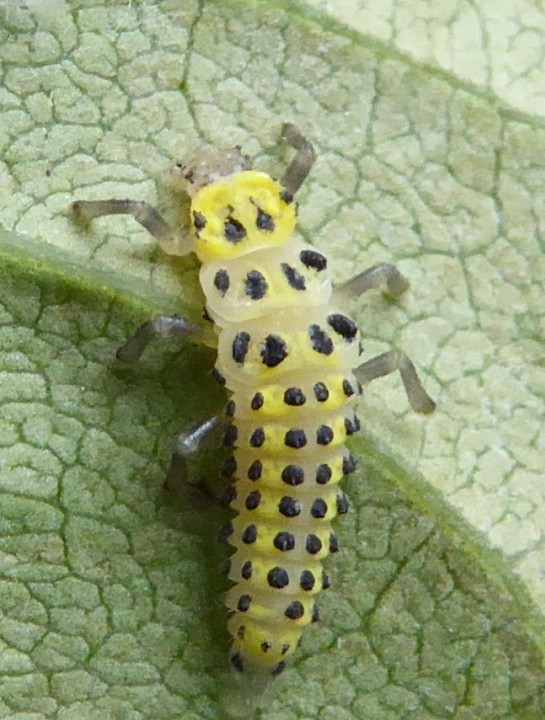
pixel 286 356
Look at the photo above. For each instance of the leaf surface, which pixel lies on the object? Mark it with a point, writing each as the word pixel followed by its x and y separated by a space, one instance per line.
pixel 431 155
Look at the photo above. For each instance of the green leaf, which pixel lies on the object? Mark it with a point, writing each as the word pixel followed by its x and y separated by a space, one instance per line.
pixel 431 153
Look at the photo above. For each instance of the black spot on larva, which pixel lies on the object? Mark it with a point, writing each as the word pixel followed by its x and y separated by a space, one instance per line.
pixel 289 507
pixel 234 230
pixel 307 580
pixel 295 610
pixel 228 496
pixel 265 646
pixel 321 393
pixel 222 281
pixel 258 438
pixel 231 436
pixel 278 668
pixel 295 439
pixel 229 467
pixel 240 347
pixel 349 464
pixel 343 326
pixel 319 509
pixel 236 662
pixel 313 544
pixel 287 197
pixel 333 543
pixel 324 435
pixel 348 390
pixel 320 340
pixel 253 500
pixel 315 614
pixel 326 583
pixel 294 396
pixel 294 277
pixel 255 285
pixel 285 648
pixel 342 503
pixel 313 259
pixel 278 578
pixel 199 221
pixel 293 475
pixel 218 377
pixel 241 632
pixel 246 570
pixel 244 603
pixel 230 408
pixel 357 424
pixel 274 351
pixel 284 541
pixel 257 401
pixel 323 474
pixel 255 470
pixel 249 536
pixel 264 221
pixel 349 426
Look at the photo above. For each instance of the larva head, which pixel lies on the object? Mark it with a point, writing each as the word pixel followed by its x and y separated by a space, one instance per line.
pixel 208 166
pixel 240 213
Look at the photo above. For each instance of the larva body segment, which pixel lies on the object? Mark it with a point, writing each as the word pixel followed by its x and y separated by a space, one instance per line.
pixel 287 357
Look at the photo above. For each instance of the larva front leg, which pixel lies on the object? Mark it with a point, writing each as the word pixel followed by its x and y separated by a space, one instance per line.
pixel 144 214
pixel 301 164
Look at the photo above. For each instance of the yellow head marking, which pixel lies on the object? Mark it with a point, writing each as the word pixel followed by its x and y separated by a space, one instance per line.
pixel 239 214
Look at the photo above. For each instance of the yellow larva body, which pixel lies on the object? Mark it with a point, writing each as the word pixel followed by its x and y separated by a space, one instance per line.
pixel 287 357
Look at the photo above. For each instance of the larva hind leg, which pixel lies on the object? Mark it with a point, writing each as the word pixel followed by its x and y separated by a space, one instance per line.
pixel 301 164
pixel 167 327
pixel 389 362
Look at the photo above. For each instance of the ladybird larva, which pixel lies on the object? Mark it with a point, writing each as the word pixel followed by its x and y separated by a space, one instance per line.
pixel 289 358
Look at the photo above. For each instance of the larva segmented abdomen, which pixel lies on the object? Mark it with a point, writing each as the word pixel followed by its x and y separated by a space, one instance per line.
pixel 292 394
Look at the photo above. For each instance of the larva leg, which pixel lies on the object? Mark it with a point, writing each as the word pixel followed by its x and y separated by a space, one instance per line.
pixel 164 326
pixel 187 445
pixel 381 274
pixel 388 363
pixel 300 166
pixel 150 218
pixel 146 215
